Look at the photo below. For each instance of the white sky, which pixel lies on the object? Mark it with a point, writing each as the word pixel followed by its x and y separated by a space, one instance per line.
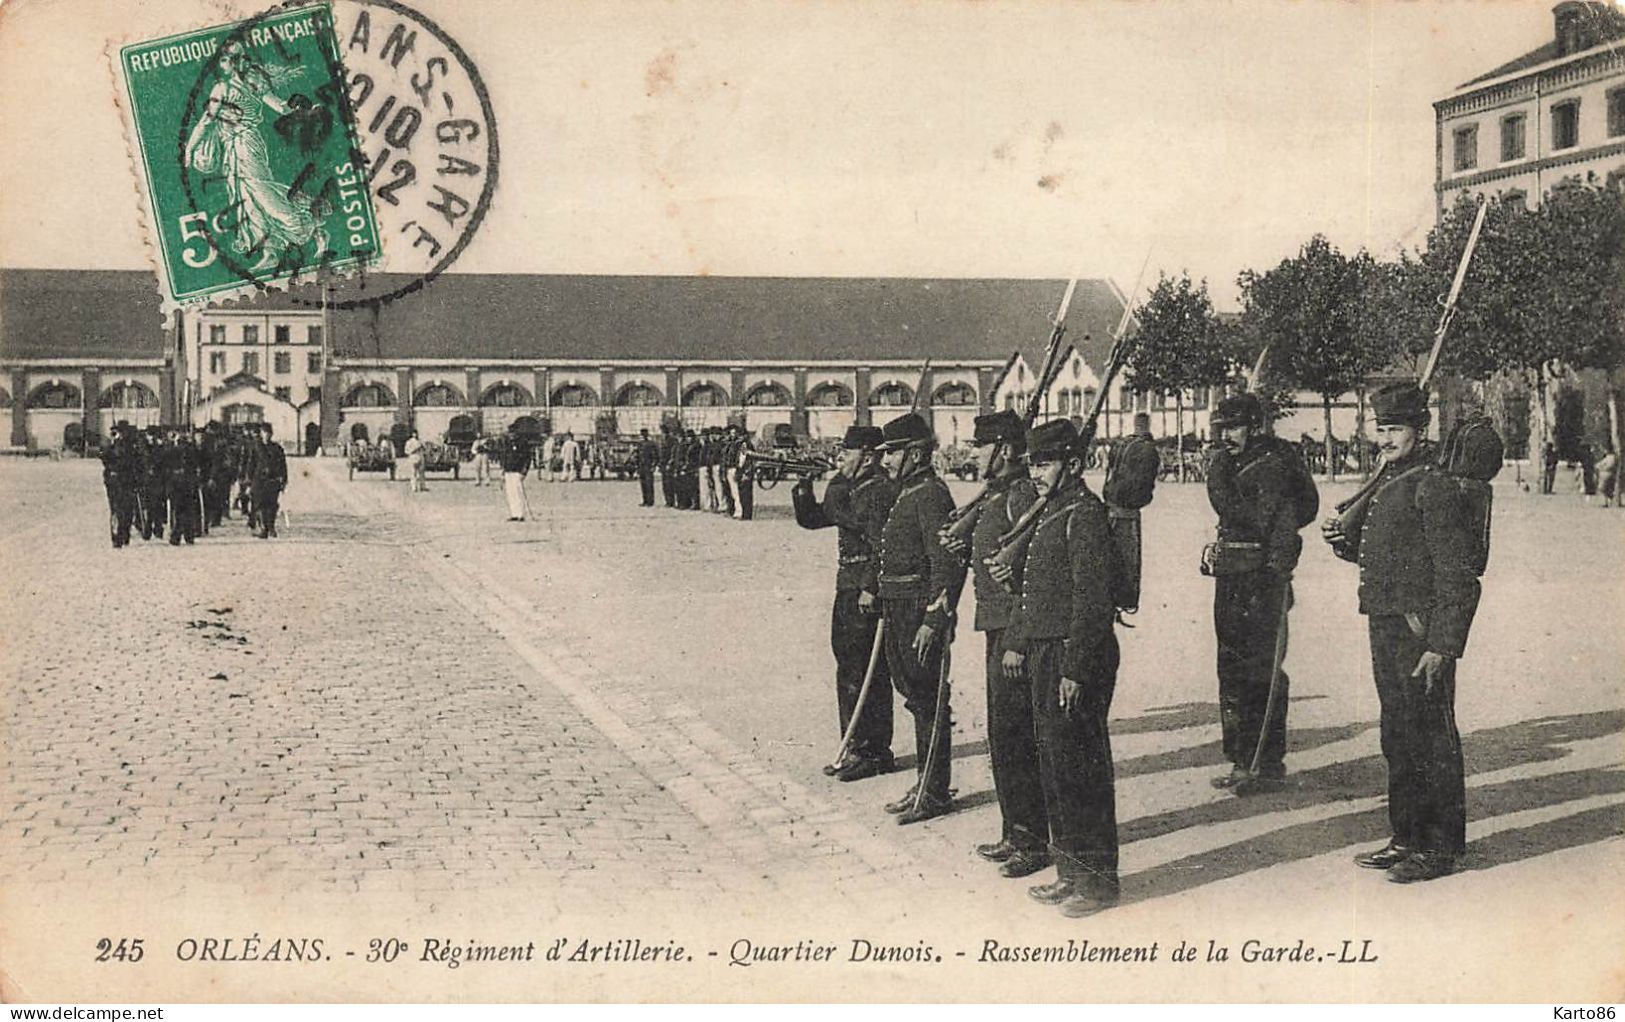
pixel 893 137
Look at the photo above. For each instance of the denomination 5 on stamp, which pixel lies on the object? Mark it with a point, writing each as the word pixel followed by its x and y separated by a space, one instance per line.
pixel 246 155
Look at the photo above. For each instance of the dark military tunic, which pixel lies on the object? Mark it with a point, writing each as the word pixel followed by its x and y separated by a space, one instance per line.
pixel 1063 623
pixel 270 478
pixel 857 508
pixel 1252 494
pixel 1419 589
pixel 648 458
pixel 916 572
pixel 181 466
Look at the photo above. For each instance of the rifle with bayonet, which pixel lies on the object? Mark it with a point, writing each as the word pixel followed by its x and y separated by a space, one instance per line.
pixel 956 533
pixel 1013 544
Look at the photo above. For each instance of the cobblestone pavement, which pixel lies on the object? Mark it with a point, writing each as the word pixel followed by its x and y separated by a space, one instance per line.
pixel 618 710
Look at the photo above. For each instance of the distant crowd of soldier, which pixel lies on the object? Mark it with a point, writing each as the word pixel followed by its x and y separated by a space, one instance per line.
pixel 699 470
pixel 174 481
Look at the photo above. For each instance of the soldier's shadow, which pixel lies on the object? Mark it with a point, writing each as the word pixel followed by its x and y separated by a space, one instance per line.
pixel 1513 745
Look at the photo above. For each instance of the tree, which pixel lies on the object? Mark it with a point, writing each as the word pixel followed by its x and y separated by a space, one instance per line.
pixel 1179 346
pixel 1305 314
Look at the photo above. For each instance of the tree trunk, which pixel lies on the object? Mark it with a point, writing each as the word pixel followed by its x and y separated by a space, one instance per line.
pixel 1541 421
pixel 1361 460
pixel 1179 429
pixel 1619 438
pixel 1331 443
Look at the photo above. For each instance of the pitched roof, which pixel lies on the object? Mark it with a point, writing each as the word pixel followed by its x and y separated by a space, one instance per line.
pixel 105 314
pixel 602 318
pixel 1534 57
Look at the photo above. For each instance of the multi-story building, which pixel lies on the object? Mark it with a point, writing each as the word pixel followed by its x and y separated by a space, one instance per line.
pixel 1555 113
pixel 276 342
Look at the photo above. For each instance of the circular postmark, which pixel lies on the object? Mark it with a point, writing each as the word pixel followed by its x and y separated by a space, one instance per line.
pixel 315 134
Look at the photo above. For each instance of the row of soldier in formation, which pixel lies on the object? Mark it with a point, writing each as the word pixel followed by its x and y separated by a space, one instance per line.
pixel 1047 605
pixel 178 481
pixel 699 470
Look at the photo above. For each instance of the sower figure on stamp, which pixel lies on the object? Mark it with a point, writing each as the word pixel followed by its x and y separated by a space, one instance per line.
pixel 1419 559
pixel 1023 845
pixel 270 479
pixel 1062 624
pixel 856 501
pixel 1254 489
pixel 916 571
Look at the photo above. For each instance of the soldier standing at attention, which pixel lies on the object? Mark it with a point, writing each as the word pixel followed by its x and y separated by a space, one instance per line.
pixel 1251 487
pixel 1023 845
pixel 181 484
pixel 916 571
pixel 668 464
pixel 1062 624
pixel 270 479
pixel 121 474
pixel 1419 590
pixel 744 486
pixel 249 452
pixel 648 458
pixel 156 511
pixel 515 457
pixel 856 501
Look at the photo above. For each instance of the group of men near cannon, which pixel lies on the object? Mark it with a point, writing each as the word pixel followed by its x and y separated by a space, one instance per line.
pixel 178 481
pixel 1048 622
pixel 699 470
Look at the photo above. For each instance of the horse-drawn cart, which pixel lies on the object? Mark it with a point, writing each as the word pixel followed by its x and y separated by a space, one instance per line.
pixel 365 457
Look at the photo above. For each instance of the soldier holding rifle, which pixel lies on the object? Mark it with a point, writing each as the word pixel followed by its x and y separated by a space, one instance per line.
pixel 1061 626
pixel 856 501
pixel 1023 845
pixel 1251 486
pixel 915 575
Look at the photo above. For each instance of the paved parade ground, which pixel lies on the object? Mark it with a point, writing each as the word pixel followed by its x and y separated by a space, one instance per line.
pixel 609 722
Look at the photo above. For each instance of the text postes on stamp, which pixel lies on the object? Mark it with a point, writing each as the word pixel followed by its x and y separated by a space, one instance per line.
pixel 247 155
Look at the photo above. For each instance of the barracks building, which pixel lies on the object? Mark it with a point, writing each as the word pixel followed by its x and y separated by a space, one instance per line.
pixel 80 350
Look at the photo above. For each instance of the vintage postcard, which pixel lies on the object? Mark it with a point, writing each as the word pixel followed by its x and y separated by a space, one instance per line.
pixel 812 501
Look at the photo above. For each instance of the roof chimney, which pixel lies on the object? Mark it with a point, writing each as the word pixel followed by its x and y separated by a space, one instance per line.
pixel 1582 24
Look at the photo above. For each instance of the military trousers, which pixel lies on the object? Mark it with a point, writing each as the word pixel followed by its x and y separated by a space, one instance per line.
pixel 646 486
pixel 746 489
pixel 1427 788
pixel 852 637
pixel 1246 613
pixel 121 510
pixel 267 500
pixel 1012 751
pixel 668 488
pixel 185 511
pixel 917 683
pixel 1075 761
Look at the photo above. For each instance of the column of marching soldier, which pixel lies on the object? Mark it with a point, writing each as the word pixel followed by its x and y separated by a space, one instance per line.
pixel 1048 622
pixel 699 470
pixel 177 481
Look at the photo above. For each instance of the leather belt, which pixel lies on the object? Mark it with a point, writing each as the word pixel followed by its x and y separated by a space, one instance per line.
pixel 1230 544
pixel 903 578
pixel 857 559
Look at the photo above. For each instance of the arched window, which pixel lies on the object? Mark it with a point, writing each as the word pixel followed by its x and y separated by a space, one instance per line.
pixel 358 431
pixel 767 394
pixel 128 395
pixel 367 395
pixel 505 395
pixel 55 394
pixel 637 395
pixel 705 395
pixel 892 394
pixel 438 395
pixel 829 395
pixel 574 395
pixel 954 394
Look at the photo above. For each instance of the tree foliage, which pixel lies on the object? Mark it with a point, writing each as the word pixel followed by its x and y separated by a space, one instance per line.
pixel 1180 344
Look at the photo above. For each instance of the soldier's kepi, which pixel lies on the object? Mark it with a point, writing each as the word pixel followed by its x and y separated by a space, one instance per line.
pixel 916 572
pixel 1062 623
pixel 856 502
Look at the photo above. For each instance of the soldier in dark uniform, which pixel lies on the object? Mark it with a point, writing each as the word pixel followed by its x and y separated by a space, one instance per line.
pixel 856 500
pixel 744 484
pixel 1419 590
pixel 1062 623
pixel 1251 487
pixel 1023 845
pixel 648 458
pixel 155 511
pixel 248 450
pixel 221 458
pixel 270 479
pixel 916 571
pixel 1131 480
pixel 668 464
pixel 180 467
pixel 121 475
pixel 722 470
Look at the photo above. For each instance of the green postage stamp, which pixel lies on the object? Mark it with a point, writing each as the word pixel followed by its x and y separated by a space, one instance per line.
pixel 245 152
